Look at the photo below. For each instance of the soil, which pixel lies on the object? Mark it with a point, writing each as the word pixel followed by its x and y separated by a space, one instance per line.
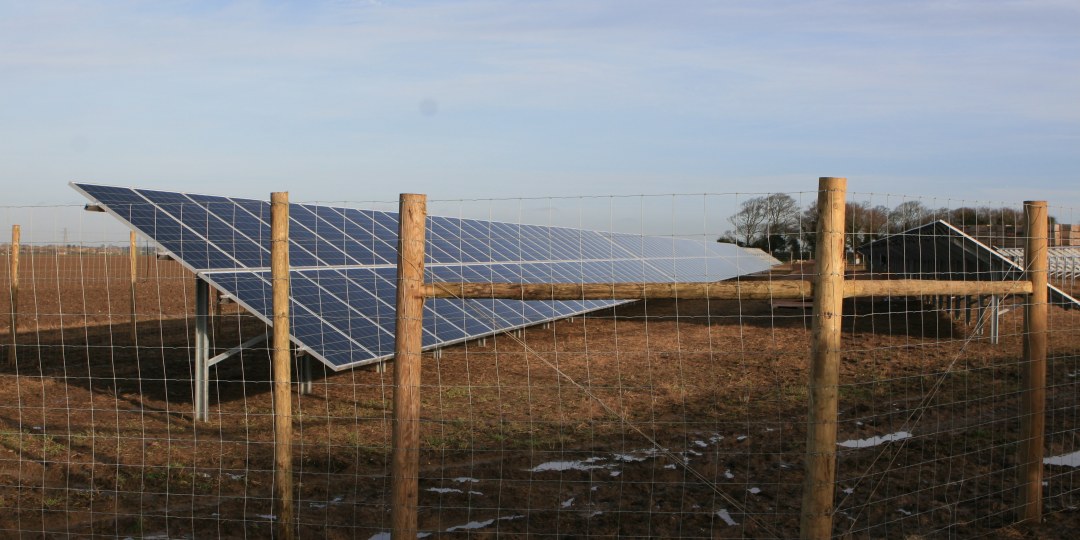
pixel 656 419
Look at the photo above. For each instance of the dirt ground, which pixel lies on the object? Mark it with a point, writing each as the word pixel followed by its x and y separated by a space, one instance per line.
pixel 658 419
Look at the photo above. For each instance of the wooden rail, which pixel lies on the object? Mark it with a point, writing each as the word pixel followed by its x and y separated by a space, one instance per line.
pixel 726 290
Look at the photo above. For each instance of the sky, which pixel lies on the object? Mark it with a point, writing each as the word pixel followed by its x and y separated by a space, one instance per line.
pixel 481 99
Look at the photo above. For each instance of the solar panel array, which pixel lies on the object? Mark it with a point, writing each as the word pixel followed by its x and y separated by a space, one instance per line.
pixel 1063 262
pixel 343 265
pixel 939 250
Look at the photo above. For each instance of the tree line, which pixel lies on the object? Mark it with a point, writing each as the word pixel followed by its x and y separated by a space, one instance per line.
pixel 777 224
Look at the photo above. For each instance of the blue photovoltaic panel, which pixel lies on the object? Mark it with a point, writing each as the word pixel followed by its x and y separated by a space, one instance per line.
pixel 343 274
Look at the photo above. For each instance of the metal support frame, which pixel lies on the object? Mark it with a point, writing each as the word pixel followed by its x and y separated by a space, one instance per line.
pixel 995 319
pixel 304 369
pixel 202 350
pixel 989 310
pixel 203 360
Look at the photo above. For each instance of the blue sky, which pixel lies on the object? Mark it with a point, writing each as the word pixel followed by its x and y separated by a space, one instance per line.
pixel 361 100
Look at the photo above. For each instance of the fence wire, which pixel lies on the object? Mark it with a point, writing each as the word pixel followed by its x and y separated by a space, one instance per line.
pixel 653 418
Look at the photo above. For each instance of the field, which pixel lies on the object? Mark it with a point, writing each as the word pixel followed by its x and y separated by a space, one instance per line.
pixel 657 419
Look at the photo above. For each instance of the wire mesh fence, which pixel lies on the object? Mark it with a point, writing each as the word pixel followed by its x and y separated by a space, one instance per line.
pixel 647 418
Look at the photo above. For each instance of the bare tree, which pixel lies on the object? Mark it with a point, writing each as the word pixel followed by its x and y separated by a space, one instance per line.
pixel 762 221
pixel 749 220
pixel 908 215
pixel 865 222
pixel 781 213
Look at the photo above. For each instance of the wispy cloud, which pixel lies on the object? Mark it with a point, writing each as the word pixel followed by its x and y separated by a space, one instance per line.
pixel 691 92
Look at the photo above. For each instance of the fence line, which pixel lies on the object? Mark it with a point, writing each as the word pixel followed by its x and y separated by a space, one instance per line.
pixel 683 414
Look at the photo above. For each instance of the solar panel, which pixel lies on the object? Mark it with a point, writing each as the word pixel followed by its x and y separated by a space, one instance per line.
pixel 938 250
pixel 343 275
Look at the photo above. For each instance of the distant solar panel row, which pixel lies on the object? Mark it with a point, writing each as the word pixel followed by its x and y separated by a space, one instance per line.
pixel 343 278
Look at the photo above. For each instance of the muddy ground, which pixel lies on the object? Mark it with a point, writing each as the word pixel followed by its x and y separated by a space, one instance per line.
pixel 657 419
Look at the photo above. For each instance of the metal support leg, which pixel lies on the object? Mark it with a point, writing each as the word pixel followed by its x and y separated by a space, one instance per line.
pixel 995 319
pixel 202 350
pixel 979 326
pixel 304 377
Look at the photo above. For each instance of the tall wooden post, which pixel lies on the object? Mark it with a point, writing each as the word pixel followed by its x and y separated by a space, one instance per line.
pixel 820 479
pixel 405 462
pixel 279 268
pixel 1033 376
pixel 133 261
pixel 15 238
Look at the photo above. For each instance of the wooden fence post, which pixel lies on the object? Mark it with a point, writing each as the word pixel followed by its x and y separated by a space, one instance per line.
pixel 820 479
pixel 134 271
pixel 15 238
pixel 279 268
pixel 405 461
pixel 1033 376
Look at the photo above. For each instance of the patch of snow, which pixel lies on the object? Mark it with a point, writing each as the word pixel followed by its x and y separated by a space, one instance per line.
pixel 1068 460
pixel 615 473
pixel 316 505
pixel 695 452
pixel 670 466
pixel 271 517
pixel 716 438
pixel 902 511
pixel 463 479
pixel 596 513
pixel 234 476
pixel 741 438
pixel 471 525
pixel 701 444
pixel 444 490
pixel 337 500
pixel 754 490
pixel 874 441
pixel 848 491
pixel 628 458
pixel 568 502
pixel 560 466
pixel 481 524
pixel 728 474
pixel 725 516
pixel 860 424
